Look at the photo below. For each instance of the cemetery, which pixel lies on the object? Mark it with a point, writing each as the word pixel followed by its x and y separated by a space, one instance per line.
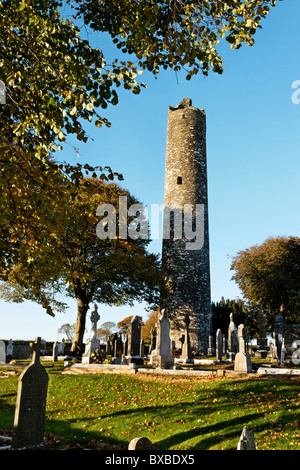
pixel 71 230
pixel 233 400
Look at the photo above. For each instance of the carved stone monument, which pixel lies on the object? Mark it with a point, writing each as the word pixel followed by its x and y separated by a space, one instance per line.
pixel 242 361
pixel 93 342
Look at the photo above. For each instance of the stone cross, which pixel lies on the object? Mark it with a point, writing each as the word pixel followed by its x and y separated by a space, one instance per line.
pixel 31 404
pixel 282 353
pixel 186 346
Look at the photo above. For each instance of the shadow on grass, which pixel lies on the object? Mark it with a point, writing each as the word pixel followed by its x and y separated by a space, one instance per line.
pixel 231 428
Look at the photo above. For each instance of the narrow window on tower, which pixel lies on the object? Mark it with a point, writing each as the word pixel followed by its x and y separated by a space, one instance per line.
pixel 179 180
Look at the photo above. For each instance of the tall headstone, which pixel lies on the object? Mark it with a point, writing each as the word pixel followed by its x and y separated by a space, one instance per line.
pixel 161 355
pixel 262 342
pixel 10 348
pixel 153 339
pixel 185 250
pixel 2 352
pixel 219 345
pixel 134 341
pixel 93 342
pixel 31 404
pixel 211 350
pixel 282 353
pixel 186 345
pixel 140 443
pixel 55 351
pixel 242 361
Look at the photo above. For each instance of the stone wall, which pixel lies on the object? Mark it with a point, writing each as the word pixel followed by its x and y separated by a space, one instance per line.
pixel 22 349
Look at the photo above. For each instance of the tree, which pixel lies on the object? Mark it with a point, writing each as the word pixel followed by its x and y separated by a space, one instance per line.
pixel 68 330
pixel 106 330
pixel 242 313
pixel 176 34
pixel 269 275
pixel 55 82
pixel 75 261
pixel 124 324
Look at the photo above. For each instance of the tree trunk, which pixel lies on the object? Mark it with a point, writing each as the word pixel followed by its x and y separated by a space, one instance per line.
pixel 82 308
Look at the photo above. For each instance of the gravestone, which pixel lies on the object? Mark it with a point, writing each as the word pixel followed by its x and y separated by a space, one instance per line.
pixel 31 404
pixel 219 345
pixel 43 347
pixel 233 339
pixel 142 348
pixel 10 348
pixel 246 441
pixel 117 348
pixel 242 361
pixel 282 353
pixel 55 352
pixel 224 345
pixel 93 342
pixel 134 341
pixel 125 350
pixel 211 350
pixel 153 339
pixel 262 342
pixel 161 355
pixel 2 93
pixel 186 345
pixel 2 352
pixel 140 443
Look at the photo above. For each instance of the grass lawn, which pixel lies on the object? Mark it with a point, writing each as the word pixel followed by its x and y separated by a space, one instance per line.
pixel 107 411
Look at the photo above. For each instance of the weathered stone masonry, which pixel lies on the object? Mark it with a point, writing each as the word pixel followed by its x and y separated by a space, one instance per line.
pixel 188 271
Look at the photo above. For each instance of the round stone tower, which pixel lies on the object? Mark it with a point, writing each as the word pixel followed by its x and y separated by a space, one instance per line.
pixel 185 251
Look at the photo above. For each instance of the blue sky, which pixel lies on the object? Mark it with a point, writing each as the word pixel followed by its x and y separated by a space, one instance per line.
pixel 253 144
